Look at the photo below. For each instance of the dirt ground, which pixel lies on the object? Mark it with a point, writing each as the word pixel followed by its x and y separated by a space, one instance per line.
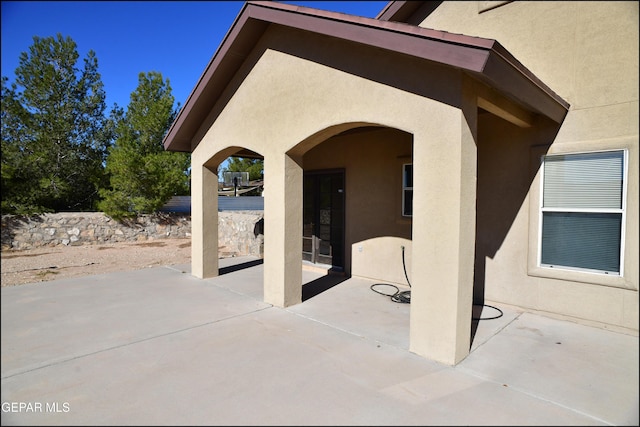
pixel 61 262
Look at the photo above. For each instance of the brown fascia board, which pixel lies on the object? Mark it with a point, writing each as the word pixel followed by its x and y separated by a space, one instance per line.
pixel 410 12
pixel 485 59
pixel 397 10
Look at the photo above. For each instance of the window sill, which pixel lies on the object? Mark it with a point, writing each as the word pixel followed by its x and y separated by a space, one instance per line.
pixel 611 280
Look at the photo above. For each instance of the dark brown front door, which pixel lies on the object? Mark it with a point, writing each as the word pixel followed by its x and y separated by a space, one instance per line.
pixel 323 218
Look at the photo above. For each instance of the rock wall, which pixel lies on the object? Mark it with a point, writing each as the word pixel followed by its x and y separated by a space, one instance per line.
pixel 239 232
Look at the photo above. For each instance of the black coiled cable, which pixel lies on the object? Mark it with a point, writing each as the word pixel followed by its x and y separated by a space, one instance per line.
pixel 404 297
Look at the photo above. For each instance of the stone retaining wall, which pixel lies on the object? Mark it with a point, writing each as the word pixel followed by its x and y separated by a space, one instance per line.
pixel 239 233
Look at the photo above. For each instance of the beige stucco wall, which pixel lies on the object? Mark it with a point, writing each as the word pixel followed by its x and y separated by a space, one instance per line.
pixel 587 52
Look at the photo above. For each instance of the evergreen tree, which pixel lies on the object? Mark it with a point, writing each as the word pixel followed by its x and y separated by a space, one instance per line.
pixel 54 130
pixel 143 176
pixel 255 167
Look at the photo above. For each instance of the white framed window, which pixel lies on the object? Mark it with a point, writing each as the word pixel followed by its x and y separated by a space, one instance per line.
pixel 582 211
pixel 407 189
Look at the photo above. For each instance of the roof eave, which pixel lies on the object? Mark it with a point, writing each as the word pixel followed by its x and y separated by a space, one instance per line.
pixel 411 12
pixel 484 58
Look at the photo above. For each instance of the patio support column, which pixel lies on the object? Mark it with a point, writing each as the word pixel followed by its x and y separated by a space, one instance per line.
pixel 283 231
pixel 444 198
pixel 204 222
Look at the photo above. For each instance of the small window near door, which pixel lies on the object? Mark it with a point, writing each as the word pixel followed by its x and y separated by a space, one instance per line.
pixel 582 212
pixel 407 189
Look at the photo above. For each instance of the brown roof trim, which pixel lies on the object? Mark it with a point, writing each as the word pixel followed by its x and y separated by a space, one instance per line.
pixel 410 12
pixel 393 9
pixel 484 58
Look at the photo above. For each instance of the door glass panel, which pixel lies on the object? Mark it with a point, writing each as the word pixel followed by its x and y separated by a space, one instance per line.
pixel 325 192
pixel 323 218
pixel 324 248
pixel 325 233
pixel 307 244
pixel 308 208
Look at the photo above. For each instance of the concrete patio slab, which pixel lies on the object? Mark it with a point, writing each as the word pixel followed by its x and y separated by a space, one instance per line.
pixel 160 347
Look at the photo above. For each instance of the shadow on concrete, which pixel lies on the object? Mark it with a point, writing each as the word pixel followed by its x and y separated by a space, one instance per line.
pixel 317 286
pixel 237 267
pixel 483 312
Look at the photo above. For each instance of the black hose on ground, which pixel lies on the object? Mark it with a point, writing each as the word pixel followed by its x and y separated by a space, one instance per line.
pixel 404 297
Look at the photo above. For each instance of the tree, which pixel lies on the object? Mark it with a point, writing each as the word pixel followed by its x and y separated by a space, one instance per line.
pixel 143 176
pixel 255 167
pixel 55 132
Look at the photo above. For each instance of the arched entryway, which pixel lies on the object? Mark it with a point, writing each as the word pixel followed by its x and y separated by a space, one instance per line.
pixel 204 211
pixel 353 192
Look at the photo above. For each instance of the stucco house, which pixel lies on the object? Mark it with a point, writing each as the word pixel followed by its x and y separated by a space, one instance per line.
pixel 492 144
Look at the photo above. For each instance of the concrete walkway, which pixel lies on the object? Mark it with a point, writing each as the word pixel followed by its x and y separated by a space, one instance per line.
pixel 160 347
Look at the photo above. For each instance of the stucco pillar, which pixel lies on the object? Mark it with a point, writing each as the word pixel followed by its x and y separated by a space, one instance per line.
pixel 282 231
pixel 204 222
pixel 444 197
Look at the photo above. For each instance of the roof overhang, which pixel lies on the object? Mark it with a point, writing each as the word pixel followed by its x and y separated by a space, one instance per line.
pixel 410 12
pixel 484 59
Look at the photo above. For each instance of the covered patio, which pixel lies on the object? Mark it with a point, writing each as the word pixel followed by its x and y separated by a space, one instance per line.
pixel 288 80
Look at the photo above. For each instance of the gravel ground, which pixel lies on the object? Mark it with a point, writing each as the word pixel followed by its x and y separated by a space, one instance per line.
pixel 61 262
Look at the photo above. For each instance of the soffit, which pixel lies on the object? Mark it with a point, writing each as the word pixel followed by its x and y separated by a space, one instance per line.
pixel 484 59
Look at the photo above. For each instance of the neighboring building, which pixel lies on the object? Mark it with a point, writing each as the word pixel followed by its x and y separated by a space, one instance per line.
pixel 495 142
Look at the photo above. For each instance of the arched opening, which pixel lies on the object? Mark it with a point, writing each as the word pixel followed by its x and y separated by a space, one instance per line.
pixel 356 226
pixel 225 236
pixel 354 193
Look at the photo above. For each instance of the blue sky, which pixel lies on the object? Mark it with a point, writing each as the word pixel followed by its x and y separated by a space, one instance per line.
pixel 176 38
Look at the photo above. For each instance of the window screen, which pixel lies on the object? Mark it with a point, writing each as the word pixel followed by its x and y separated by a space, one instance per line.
pixel 582 211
